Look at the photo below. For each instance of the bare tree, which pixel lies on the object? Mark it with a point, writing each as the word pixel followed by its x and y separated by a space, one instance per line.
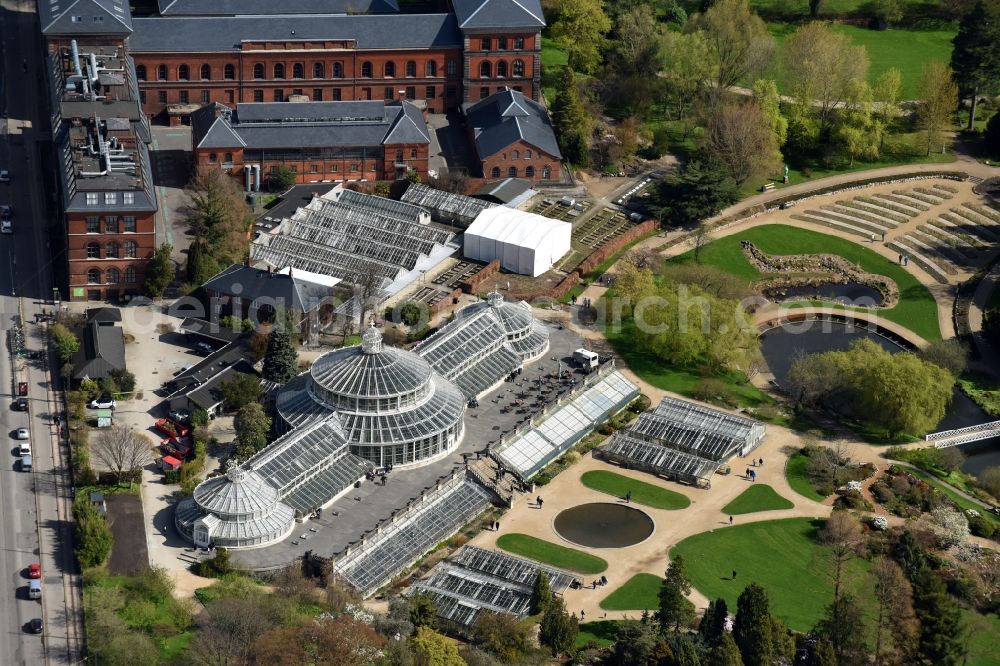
pixel 121 450
pixel 229 629
pixel 738 41
pixel 894 614
pixel 843 534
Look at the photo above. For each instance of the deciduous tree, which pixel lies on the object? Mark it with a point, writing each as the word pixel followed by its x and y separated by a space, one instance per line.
pixel 432 649
pixel 65 342
pixel 843 535
pixel 570 120
pixel 766 97
pixel 857 131
pixel 240 391
pixel 740 45
pixel 251 425
pixel 938 100
pixel 159 271
pixel 894 617
pixel 122 450
pixel 687 67
pixel 581 27
pixel 742 137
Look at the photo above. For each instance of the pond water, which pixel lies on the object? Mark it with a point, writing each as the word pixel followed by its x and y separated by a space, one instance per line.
pixel 782 346
pixel 603 525
pixel 850 293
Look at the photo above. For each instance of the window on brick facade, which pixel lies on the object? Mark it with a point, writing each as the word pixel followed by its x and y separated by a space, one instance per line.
pixel 93 250
pixel 206 72
pixel 142 96
pixel 399 155
pixel 333 168
pixel 336 94
pixel 258 70
pixel 451 67
pixel 529 172
pixel 485 69
pixel 546 172
pixel 319 71
pixel 129 275
pixel 111 224
pixel 313 168
pixel 387 92
pixel 527 154
pixel 212 157
pixel 519 43
pixel 338 70
pixel 366 70
pixel 502 69
pixel 495 172
pixel 130 249
pixel 512 172
pixel 389 70
pixel 229 158
pixel 205 97
pixel 114 276
pixel 501 43
pixel 258 95
pixel 432 68
pixel 298 71
pixel 229 72
pixel 140 72
pixel 94 276
pixel 111 250
pixel 518 68
pixel 485 44
pixel 183 72
pixel 161 73
pixel 184 96
pixel 162 96
pixel 484 93
pixel 411 68
pixel 93 225
pixel 317 94
pixel 413 153
pixel 411 92
pixel 354 167
pixel 516 155
pixel 279 95
pixel 129 223
pixel 430 93
pixel 279 70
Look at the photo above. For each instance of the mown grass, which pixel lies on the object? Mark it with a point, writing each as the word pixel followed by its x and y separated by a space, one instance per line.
pixel 797 474
pixel 642 492
pixel 602 632
pixel 554 59
pixel 916 309
pixel 640 592
pixel 552 554
pixel 758 497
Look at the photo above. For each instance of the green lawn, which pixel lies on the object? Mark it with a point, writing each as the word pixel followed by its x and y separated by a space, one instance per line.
pixel 758 497
pixel 553 60
pixel 984 631
pixel 552 554
pixel 640 592
pixel 915 310
pixel 781 555
pixel 797 474
pixel 827 9
pixel 602 632
pixel 906 50
pixel 642 492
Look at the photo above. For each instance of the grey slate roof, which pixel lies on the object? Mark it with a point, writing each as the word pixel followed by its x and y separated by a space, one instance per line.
pixel 483 14
pixel 84 17
pixel 267 126
pixel 504 191
pixel 506 117
pixel 244 7
pixel 102 351
pixel 104 315
pixel 253 283
pixel 223 34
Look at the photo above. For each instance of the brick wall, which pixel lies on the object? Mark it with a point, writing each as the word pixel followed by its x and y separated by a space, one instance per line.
pixel 80 263
pixel 598 256
pixel 505 160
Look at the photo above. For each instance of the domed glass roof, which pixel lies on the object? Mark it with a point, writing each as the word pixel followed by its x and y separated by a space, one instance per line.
pixel 371 370
pixel 514 317
pixel 239 492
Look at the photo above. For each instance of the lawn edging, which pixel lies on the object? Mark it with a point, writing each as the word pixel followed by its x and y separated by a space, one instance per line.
pixel 758 497
pixel 640 592
pixel 647 494
pixel 797 475
pixel 552 554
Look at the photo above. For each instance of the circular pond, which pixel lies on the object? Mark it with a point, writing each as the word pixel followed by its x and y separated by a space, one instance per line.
pixel 850 293
pixel 603 525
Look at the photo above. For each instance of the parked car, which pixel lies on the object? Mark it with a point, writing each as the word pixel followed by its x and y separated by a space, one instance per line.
pixel 6 227
pixel 22 433
pixel 35 626
pixel 24 449
pixel 4 176
pixel 34 589
pixel 26 465
pixel 21 404
pixel 6 212
pixel 34 570
pixel 104 402
pixel 181 416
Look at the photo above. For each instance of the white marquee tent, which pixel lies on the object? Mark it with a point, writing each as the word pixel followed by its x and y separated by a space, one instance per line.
pixel 525 243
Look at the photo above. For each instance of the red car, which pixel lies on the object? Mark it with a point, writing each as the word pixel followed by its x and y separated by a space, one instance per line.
pixel 34 570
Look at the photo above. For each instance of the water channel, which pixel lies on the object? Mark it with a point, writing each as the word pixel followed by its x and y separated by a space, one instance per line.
pixel 782 346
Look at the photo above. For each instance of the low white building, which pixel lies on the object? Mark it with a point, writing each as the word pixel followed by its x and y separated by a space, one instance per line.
pixel 524 243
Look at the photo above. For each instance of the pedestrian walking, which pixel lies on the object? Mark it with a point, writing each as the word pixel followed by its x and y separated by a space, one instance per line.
pixel 753 476
pixel 730 520
pixel 538 501
pixel 761 462
pixel 628 497
pixel 747 473
pixel 583 613
pixel 734 574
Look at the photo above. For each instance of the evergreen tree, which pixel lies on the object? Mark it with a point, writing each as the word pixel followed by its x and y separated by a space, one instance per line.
pixel 752 630
pixel 541 594
pixel 909 555
pixel 570 120
pixel 635 643
pixel 675 609
pixel 281 363
pixel 941 631
pixel 713 623
pixel 975 60
pixel 251 425
pixel 844 626
pixel 423 610
pixel 694 193
pixel 558 629
pixel 159 271
pixel 823 653
pixel 200 265
pixel 725 652
pixel 686 653
pixel 433 649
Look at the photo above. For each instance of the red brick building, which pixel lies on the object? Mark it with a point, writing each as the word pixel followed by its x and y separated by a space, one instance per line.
pixel 202 51
pixel 335 141
pixel 513 138
pixel 101 136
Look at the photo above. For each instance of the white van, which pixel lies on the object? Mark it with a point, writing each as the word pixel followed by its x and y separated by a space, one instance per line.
pixel 25 463
pixel 34 589
pixel 586 358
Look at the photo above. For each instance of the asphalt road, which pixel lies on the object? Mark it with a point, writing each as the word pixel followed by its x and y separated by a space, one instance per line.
pixel 35 516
